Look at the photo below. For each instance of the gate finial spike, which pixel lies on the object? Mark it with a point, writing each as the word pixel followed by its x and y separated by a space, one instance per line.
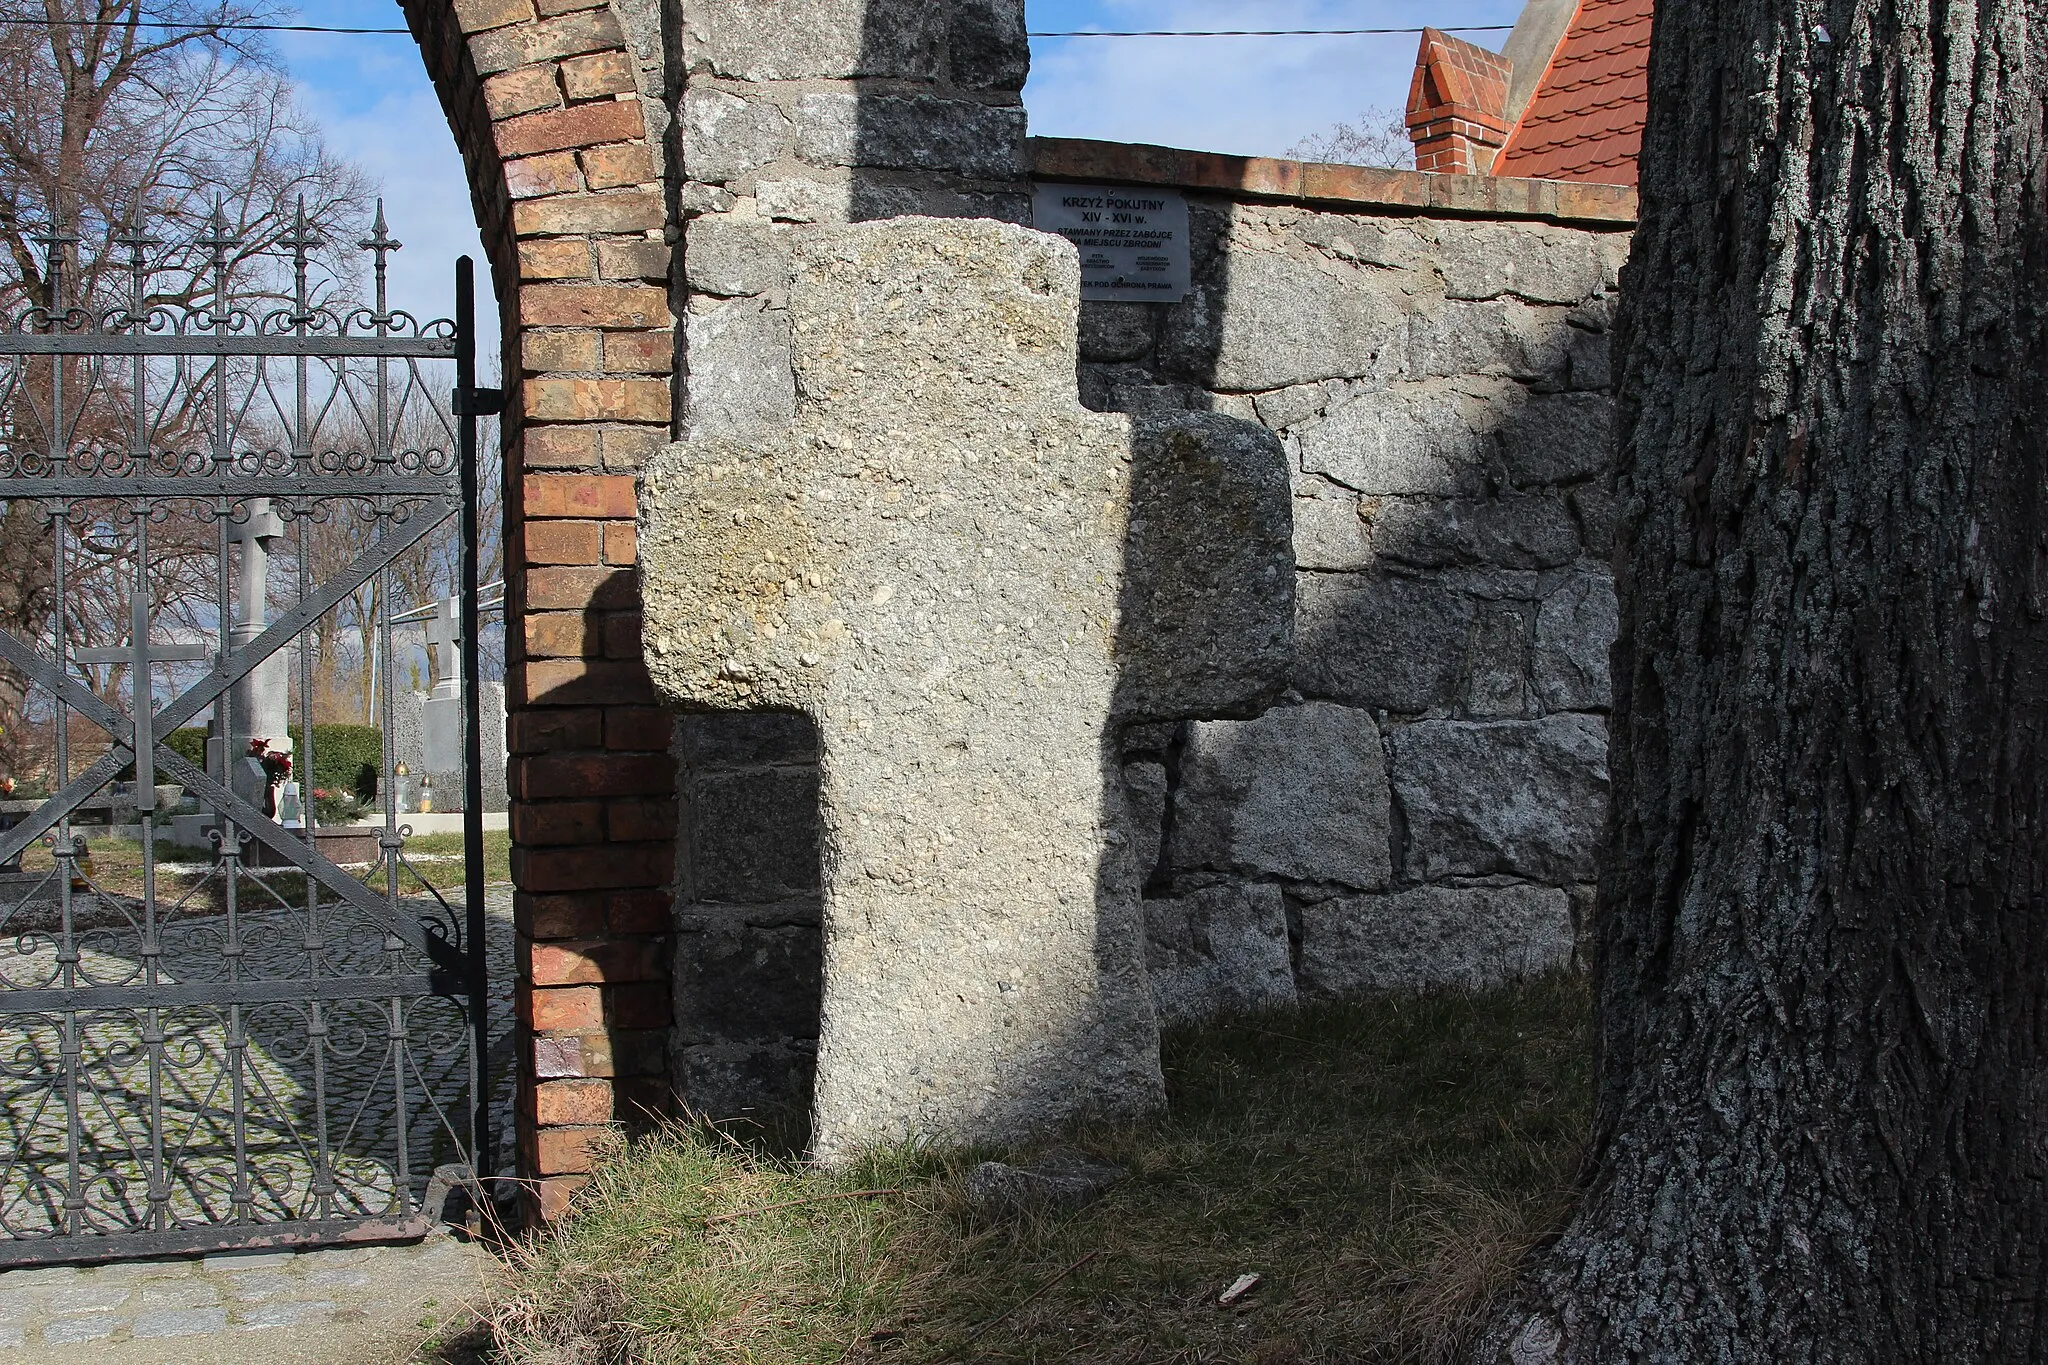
pixel 380 239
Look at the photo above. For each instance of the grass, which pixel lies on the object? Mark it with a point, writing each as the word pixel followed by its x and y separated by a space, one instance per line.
pixel 117 868
pixel 1383 1165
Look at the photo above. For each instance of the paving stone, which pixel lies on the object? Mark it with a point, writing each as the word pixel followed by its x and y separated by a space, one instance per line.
pixel 88 1298
pixel 70 1331
pixel 12 1336
pixel 188 1294
pixel 273 1260
pixel 295 1314
pixel 49 1274
pixel 336 1277
pixel 153 1271
pixel 262 1284
pixel 181 1322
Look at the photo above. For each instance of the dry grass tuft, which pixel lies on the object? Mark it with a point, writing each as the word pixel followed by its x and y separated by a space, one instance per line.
pixel 1384 1165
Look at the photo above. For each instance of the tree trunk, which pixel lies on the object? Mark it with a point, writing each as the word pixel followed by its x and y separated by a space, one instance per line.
pixel 1821 1127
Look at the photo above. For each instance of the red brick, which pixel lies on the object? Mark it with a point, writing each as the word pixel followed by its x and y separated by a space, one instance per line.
pixel 557 1008
pixel 610 496
pixel 590 962
pixel 534 732
pixel 556 1194
pixel 555 259
pixel 533 176
pixel 621 163
pixel 556 448
pixel 586 125
pixel 621 542
pixel 630 447
pixel 634 210
pixel 621 635
pixel 633 821
pixel 640 353
pixel 574 1055
pixel 568 1151
pixel 642 912
pixel 562 542
pixel 540 777
pixel 567 1103
pixel 550 38
pixel 566 587
pixel 581 682
pixel 560 635
pixel 558 822
pixel 595 305
pixel 638 1005
pixel 589 868
pixel 522 90
pixel 584 914
pixel 597 75
pixel 543 352
pixel 595 400
pixel 641 258
pixel 650 729
pixel 475 16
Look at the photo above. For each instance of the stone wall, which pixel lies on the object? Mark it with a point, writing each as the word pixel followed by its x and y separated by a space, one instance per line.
pixel 1423 805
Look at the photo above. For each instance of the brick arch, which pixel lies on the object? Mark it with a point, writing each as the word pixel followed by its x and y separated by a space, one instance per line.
pixel 560 125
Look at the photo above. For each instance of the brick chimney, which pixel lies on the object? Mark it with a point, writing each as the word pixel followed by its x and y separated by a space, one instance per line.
pixel 1457 106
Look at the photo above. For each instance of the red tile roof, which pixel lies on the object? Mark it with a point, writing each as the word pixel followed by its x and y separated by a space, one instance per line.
pixel 1585 121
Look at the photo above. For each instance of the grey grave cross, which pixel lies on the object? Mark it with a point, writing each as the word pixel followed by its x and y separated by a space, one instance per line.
pixel 139 654
pixel 444 635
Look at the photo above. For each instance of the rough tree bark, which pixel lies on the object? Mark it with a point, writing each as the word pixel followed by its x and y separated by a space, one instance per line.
pixel 1821 1125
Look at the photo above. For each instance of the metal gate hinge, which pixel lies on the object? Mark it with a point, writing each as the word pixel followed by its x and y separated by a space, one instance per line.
pixel 479 402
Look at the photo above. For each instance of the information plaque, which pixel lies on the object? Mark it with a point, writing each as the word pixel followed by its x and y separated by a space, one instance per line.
pixel 1133 242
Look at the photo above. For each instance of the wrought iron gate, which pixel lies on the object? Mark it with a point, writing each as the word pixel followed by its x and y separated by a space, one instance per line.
pixel 250 1044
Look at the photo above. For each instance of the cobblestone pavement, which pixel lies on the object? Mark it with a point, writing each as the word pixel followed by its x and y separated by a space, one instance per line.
pixel 305 1098
pixel 349 1306
pixel 312 1090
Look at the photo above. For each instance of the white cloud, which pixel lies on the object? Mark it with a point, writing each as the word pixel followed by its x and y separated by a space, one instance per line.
pixel 1250 96
pixel 402 140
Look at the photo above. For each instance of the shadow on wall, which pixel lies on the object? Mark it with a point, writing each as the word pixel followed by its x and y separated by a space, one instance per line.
pixel 749 979
pixel 1422 806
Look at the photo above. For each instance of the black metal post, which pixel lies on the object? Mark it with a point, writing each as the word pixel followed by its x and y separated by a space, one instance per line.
pixel 467 407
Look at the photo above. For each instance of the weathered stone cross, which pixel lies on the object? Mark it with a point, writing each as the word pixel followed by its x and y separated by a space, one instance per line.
pixel 444 636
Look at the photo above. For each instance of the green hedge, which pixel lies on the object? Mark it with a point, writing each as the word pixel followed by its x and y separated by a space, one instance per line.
pixel 348 756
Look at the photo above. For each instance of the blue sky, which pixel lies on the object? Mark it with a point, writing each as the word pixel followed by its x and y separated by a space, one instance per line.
pixel 1255 96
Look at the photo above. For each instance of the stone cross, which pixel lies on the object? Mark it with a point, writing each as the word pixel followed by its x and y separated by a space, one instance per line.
pixel 967 581
pixel 444 637
pixel 139 654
